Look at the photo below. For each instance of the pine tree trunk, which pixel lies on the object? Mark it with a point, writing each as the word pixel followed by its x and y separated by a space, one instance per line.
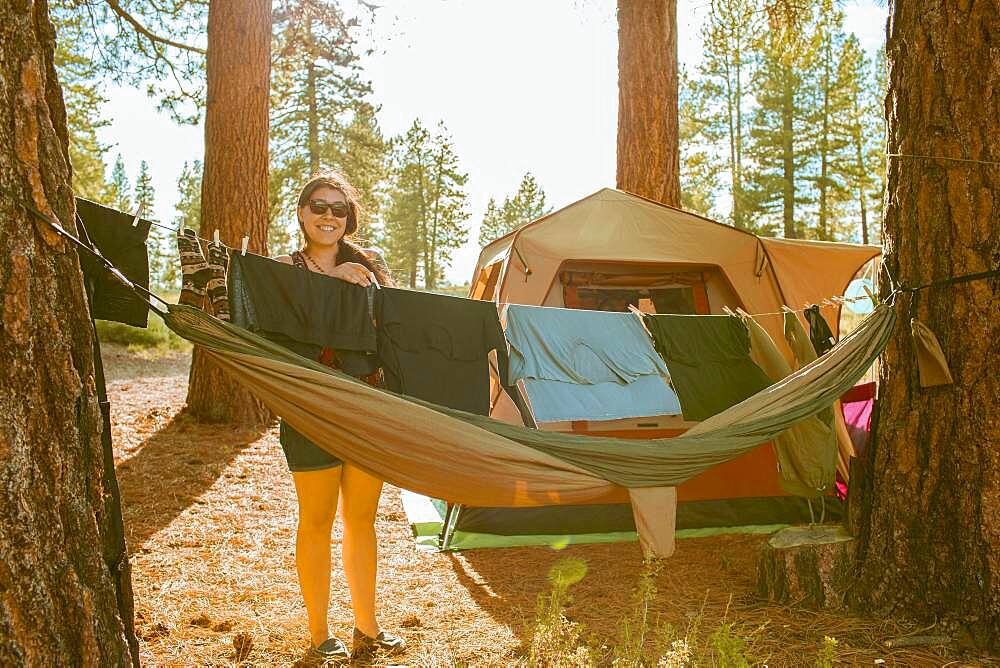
pixel 648 149
pixel 234 189
pixel 788 156
pixel 311 96
pixel 59 604
pixel 928 519
pixel 737 102
pixel 862 176
pixel 824 153
pixel 313 112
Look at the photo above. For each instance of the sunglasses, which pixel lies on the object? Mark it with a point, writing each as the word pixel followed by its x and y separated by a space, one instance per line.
pixel 338 209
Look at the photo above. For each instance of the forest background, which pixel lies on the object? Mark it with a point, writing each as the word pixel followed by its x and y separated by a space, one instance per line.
pixel 781 138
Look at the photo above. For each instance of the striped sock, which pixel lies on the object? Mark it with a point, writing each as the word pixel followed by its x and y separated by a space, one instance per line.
pixel 218 294
pixel 194 269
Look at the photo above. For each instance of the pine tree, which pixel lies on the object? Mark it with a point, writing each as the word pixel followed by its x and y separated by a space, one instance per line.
pixel 778 143
pixel 158 245
pixel 700 166
pixel 118 191
pixel 426 209
pixel 877 90
pixel 406 207
pixel 155 46
pixel 364 159
pixel 320 115
pixel 493 226
pixel 853 75
pixel 445 229
pixel 524 206
pixel 83 98
pixel 732 28
pixel 188 205
pixel 831 104
pixel 145 196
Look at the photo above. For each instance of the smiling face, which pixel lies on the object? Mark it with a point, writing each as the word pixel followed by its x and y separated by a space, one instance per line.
pixel 323 229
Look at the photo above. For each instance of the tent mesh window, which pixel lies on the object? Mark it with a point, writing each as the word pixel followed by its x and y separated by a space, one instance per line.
pixel 663 292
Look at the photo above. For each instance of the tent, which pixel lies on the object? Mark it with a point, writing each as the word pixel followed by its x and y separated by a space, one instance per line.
pixel 613 249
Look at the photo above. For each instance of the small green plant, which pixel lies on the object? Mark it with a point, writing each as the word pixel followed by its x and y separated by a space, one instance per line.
pixel 635 628
pixel 555 641
pixel 827 653
pixel 729 649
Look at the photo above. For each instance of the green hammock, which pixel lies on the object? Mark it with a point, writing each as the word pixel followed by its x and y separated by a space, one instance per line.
pixel 476 460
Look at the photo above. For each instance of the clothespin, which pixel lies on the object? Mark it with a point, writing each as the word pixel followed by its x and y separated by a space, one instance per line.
pixel 728 311
pixel 375 283
pixel 215 236
pixel 243 246
pixel 138 213
pixel 785 309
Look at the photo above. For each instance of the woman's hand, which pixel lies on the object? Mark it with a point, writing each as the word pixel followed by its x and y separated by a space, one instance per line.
pixel 352 272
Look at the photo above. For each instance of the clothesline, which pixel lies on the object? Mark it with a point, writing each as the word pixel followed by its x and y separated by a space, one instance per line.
pixel 828 302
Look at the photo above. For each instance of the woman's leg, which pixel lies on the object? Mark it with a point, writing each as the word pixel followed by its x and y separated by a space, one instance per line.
pixel 360 492
pixel 317 493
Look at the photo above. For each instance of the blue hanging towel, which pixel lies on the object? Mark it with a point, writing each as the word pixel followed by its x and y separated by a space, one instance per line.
pixel 586 365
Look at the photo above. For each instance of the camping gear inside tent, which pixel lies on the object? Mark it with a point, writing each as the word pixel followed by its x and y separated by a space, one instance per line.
pixel 613 250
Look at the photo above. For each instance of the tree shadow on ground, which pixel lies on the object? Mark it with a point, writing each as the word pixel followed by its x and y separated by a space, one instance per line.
pixel 172 469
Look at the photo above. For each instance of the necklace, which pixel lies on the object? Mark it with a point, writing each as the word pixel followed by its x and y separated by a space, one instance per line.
pixel 314 263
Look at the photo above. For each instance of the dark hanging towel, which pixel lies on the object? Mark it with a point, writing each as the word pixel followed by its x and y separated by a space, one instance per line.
pixel 111 231
pixel 709 361
pixel 436 347
pixel 819 332
pixel 304 311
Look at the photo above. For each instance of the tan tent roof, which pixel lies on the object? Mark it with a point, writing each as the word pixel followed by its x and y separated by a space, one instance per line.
pixel 615 226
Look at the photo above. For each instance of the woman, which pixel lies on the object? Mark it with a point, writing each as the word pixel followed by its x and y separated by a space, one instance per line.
pixel 328 212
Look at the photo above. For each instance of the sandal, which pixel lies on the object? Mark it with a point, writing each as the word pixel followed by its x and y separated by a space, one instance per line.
pixel 330 651
pixel 365 645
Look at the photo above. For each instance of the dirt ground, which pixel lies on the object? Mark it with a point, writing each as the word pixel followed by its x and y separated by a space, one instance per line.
pixel 210 517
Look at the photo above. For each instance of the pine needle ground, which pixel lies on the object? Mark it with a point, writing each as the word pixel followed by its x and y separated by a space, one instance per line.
pixel 210 518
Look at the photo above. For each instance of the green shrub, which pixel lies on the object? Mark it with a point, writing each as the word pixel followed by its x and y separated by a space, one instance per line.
pixel 155 335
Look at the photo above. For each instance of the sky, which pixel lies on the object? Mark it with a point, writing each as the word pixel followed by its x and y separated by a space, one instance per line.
pixel 522 85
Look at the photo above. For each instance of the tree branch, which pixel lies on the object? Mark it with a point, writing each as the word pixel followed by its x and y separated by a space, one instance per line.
pixel 139 28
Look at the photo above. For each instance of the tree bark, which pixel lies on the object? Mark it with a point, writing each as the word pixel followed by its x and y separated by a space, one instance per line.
pixel 58 599
pixel 928 514
pixel 648 150
pixel 788 155
pixel 234 188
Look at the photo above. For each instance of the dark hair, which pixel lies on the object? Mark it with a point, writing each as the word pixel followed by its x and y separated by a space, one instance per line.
pixel 349 251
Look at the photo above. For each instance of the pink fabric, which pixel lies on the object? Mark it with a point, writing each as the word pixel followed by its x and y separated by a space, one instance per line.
pixel 857 403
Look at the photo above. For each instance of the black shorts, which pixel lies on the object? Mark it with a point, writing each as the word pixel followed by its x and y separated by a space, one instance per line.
pixel 301 453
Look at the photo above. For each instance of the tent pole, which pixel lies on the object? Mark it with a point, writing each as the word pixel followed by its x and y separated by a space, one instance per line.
pixel 450 521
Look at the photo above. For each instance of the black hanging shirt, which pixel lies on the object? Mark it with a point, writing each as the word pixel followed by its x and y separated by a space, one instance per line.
pixel 435 347
pixel 124 246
